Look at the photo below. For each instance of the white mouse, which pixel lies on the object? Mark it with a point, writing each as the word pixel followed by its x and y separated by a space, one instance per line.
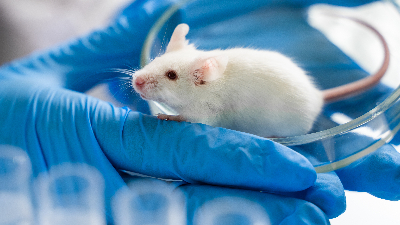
pixel 255 91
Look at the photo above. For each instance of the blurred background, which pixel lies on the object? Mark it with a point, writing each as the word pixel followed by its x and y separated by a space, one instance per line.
pixel 32 25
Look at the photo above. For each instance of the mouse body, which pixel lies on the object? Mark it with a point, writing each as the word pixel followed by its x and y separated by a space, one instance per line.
pixel 254 91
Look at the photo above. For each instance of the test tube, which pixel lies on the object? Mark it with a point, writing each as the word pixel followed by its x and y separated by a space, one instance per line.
pixel 15 176
pixel 149 202
pixel 231 211
pixel 71 194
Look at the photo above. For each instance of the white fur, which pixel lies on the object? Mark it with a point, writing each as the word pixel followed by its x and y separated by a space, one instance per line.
pixel 259 92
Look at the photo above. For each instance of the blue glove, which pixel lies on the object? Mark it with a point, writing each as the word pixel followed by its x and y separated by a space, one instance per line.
pixel 45 113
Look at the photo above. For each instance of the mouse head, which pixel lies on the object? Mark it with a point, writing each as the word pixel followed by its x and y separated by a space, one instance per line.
pixel 181 75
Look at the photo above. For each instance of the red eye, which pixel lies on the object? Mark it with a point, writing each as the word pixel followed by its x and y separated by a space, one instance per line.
pixel 171 74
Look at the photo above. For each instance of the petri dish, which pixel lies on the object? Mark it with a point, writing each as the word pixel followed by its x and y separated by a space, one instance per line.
pixel 340 135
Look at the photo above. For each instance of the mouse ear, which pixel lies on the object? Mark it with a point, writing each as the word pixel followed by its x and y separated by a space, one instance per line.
pixel 209 69
pixel 178 40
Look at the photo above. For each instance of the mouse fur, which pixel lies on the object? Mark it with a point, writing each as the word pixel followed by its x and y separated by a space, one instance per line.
pixel 255 91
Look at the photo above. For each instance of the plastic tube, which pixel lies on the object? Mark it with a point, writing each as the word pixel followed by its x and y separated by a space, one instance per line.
pixel 71 194
pixel 15 176
pixel 231 211
pixel 149 201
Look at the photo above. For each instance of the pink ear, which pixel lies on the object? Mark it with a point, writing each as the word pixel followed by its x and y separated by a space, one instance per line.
pixel 209 69
pixel 178 40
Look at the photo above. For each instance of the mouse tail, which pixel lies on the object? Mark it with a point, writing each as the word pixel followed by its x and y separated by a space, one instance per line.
pixel 360 86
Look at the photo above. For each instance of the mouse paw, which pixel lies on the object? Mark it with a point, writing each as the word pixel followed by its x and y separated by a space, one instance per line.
pixel 177 118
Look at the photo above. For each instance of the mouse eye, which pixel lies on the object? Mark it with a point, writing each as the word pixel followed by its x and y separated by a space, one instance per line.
pixel 171 74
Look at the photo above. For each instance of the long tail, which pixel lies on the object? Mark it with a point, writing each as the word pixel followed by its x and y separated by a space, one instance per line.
pixel 360 86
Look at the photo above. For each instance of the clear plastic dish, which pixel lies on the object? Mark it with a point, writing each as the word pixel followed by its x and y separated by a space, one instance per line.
pixel 349 138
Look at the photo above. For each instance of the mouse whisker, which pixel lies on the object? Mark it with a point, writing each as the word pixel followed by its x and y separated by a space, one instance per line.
pixel 130 67
pixel 123 92
pixel 123 71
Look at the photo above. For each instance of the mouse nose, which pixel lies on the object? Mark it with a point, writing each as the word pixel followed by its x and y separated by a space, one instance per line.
pixel 140 81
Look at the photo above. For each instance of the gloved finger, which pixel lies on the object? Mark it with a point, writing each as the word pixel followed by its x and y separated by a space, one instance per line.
pixel 81 63
pixel 327 193
pixel 198 153
pixel 280 210
pixel 376 173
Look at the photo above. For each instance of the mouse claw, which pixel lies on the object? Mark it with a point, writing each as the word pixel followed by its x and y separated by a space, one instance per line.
pixel 177 118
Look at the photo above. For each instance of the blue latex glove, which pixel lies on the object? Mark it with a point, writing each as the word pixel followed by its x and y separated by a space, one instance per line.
pixel 44 113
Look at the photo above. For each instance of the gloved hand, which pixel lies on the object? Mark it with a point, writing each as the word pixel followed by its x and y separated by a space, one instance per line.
pixel 45 113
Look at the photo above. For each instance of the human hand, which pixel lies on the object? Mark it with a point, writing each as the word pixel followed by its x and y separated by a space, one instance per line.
pixel 45 113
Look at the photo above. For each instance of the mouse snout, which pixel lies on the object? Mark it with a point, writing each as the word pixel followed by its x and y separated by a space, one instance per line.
pixel 140 81
pixel 144 84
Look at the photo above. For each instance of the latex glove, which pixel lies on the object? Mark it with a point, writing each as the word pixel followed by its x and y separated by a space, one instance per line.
pixel 44 113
